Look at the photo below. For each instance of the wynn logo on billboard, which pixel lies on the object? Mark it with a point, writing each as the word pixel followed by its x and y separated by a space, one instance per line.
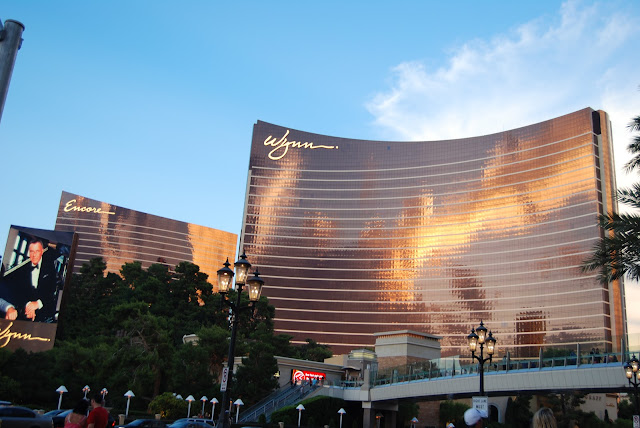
pixel 33 275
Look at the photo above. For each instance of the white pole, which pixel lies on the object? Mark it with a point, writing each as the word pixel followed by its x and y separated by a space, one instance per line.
pixel 299 416
pixel 237 413
pixel 126 414
pixel 189 410
pixel 60 401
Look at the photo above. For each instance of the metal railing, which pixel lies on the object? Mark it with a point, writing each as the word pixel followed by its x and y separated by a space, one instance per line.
pixel 463 366
pixel 281 398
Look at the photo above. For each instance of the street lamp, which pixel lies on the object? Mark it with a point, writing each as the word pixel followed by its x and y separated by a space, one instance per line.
pixel 254 284
pixel 86 389
pixel 61 390
pixel 633 377
pixel 128 394
pixel 104 393
pixel 238 403
pixel 479 337
pixel 204 400
pixel 189 399
pixel 341 412
pixel 300 408
pixel 214 401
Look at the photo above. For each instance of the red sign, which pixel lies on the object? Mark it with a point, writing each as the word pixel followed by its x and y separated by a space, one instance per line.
pixel 299 375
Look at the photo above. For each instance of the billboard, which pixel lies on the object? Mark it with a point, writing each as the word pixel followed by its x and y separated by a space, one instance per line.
pixel 33 275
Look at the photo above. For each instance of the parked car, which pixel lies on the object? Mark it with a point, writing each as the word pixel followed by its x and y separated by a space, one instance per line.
pixel 22 417
pixel 190 423
pixel 52 413
pixel 206 421
pixel 145 423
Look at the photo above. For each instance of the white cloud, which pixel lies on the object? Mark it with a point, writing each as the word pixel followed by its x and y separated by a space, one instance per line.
pixel 583 57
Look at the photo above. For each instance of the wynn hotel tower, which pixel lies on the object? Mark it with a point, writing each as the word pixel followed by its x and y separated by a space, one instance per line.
pixel 356 237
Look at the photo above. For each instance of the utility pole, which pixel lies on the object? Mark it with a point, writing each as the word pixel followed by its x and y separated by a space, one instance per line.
pixel 10 42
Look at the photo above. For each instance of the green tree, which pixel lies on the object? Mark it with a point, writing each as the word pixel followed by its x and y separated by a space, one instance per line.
pixel 451 411
pixel 168 406
pixel 517 413
pixel 618 253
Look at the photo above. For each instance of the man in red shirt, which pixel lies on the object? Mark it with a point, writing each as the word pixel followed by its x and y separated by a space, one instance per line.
pixel 99 416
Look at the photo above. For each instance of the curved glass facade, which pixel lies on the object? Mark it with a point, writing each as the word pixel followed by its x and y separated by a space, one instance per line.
pixel 120 235
pixel 355 237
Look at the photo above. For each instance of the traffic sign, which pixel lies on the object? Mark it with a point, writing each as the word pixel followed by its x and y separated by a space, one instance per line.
pixel 225 378
pixel 481 403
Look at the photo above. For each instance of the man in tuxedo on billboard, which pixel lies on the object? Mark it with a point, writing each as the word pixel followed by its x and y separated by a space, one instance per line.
pixel 37 283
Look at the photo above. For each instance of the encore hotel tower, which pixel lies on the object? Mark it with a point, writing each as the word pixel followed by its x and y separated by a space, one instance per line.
pixel 121 235
pixel 357 237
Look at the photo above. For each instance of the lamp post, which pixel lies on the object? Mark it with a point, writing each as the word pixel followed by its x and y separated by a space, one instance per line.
pixel 225 277
pixel 341 412
pixel 189 399
pixel 238 403
pixel 104 393
pixel 479 337
pixel 86 389
pixel 633 377
pixel 300 408
pixel 214 401
pixel 128 394
pixel 61 390
pixel 204 400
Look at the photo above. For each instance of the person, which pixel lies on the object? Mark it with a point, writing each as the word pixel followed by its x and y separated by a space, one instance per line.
pixel 10 311
pixel 36 284
pixel 78 416
pixel 473 417
pixel 99 416
pixel 544 418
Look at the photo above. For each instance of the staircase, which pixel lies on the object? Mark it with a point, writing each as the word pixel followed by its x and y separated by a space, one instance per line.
pixel 276 400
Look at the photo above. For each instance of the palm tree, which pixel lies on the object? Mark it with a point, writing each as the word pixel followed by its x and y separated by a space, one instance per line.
pixel 618 253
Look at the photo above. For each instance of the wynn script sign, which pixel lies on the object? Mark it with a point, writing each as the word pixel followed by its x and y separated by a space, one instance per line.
pixel 281 146
pixel 71 206
pixel 30 336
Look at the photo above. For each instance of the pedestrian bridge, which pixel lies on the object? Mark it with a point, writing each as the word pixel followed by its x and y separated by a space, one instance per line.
pixel 533 376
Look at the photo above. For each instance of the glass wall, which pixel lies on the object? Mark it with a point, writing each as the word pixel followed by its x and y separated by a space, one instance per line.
pixel 356 237
pixel 120 235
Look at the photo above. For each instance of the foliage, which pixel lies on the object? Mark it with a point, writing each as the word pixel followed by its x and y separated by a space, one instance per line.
pixel 451 411
pixel 321 411
pixel 168 406
pixel 517 413
pixel 407 410
pixel 626 408
pixel 617 253
pixel 126 332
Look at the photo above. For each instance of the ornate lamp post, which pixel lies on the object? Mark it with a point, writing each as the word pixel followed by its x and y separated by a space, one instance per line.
pixel 633 377
pixel 479 337
pixel 254 284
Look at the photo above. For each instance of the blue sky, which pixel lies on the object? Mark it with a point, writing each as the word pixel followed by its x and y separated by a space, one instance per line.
pixel 150 104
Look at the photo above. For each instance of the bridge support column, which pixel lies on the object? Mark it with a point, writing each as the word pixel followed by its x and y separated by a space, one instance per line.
pixel 388 409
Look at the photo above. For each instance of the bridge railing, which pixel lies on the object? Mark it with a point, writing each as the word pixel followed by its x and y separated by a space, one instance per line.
pixel 464 366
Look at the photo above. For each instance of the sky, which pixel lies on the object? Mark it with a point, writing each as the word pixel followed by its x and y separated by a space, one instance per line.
pixel 150 105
